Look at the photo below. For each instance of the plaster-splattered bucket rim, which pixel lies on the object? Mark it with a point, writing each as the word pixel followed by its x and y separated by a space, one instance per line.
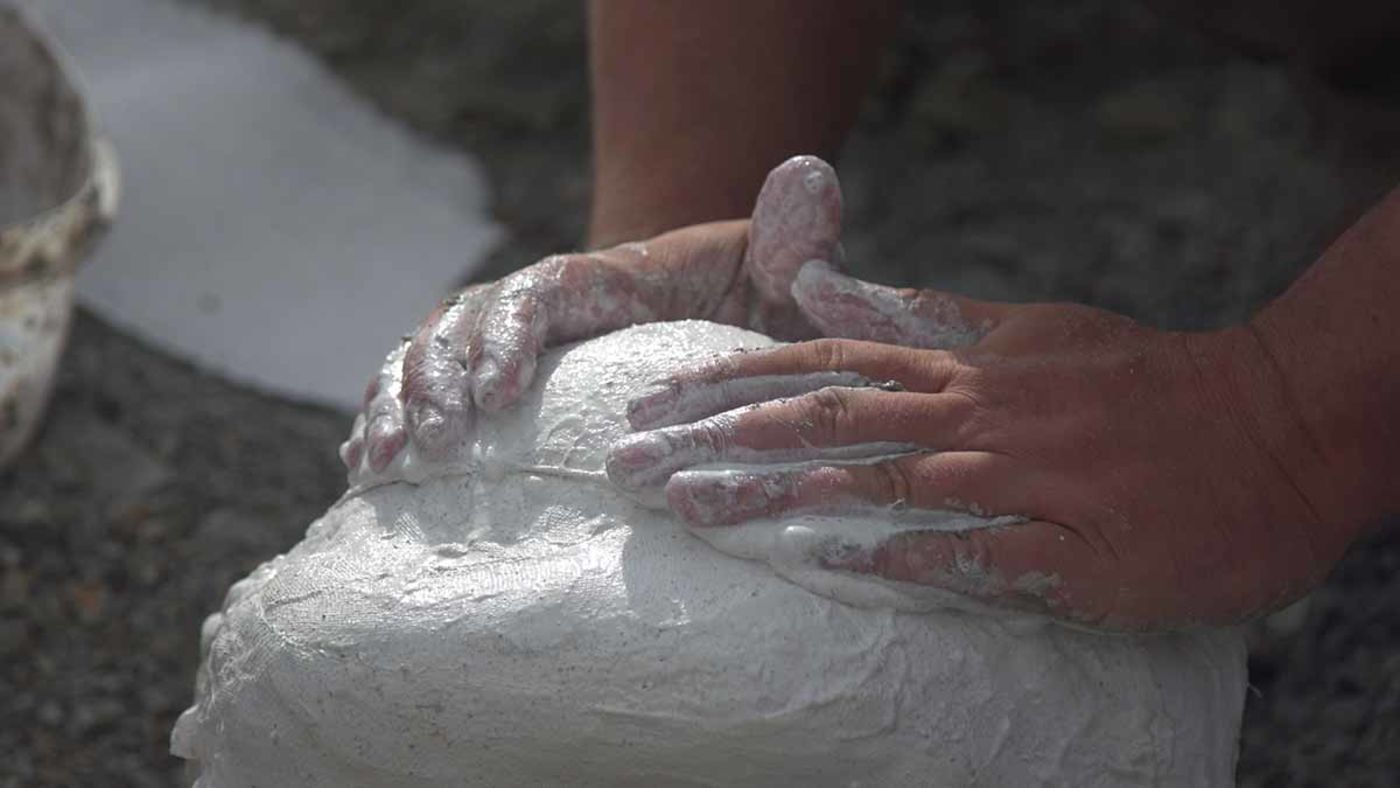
pixel 56 242
pixel 60 191
pixel 53 242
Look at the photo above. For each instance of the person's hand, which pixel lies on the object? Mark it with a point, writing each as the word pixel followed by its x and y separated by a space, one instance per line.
pixel 1153 479
pixel 478 350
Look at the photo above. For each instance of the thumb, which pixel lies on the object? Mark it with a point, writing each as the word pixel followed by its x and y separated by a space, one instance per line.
pixel 796 218
pixel 1032 566
pixel 845 307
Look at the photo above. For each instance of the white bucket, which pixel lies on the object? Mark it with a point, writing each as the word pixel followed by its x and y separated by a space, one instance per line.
pixel 58 191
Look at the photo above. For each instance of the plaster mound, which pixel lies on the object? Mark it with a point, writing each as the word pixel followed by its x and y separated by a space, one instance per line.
pixel 513 620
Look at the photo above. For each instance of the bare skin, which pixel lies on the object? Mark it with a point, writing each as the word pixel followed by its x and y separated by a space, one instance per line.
pixel 477 351
pixel 693 103
pixel 1162 479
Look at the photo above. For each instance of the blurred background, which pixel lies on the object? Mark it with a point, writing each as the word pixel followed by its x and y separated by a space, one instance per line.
pixel 1085 150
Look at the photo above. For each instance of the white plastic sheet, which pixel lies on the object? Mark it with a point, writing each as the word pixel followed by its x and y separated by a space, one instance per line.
pixel 274 226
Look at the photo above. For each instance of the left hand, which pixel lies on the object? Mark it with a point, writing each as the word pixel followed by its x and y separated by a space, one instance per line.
pixel 1160 478
pixel 478 350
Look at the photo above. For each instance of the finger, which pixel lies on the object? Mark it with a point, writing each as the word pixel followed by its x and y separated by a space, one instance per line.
pixel 1036 566
pixel 841 306
pixel 684 401
pixel 385 438
pixel 508 339
pixel 436 392
pixel 743 378
pixel 972 482
pixel 796 218
pixel 557 300
pixel 353 449
pixel 828 424
pixel 384 431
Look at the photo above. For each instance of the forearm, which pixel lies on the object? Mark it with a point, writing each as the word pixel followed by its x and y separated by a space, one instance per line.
pixel 1335 338
pixel 693 102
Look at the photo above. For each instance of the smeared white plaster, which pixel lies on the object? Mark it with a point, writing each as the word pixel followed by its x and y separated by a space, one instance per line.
pixel 515 620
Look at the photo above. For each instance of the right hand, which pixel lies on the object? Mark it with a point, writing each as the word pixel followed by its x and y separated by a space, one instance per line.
pixel 479 348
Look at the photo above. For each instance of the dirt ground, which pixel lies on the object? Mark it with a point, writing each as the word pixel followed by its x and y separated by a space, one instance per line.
pixel 1085 151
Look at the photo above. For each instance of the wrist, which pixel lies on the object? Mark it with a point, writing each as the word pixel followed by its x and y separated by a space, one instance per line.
pixel 1332 338
pixel 633 203
pixel 1242 372
pixel 1349 419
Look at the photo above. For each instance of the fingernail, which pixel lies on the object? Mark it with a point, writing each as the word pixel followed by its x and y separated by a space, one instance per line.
pixel 351 451
pixel 647 410
pixel 430 426
pixel 813 271
pixel 815 181
pixel 386 440
pixel 486 383
pixel 487 373
pixel 426 419
pixel 635 461
pixel 496 385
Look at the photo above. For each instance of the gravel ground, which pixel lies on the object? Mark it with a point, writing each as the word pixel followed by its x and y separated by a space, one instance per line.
pixel 1090 153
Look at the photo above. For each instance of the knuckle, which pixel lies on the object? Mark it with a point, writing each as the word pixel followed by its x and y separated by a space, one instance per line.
pixel 828 411
pixel 461 305
pixel 892 481
pixel 953 364
pixel 978 424
pixel 908 369
pixel 977 553
pixel 573 268
pixel 827 354
pixel 908 295
pixel 545 274
pixel 554 262
pixel 711 436
pixel 981 420
pixel 516 286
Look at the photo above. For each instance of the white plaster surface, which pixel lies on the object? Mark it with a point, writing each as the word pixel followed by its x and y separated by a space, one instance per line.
pixel 275 227
pixel 514 620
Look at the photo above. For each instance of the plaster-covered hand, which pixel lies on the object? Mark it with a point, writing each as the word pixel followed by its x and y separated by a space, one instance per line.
pixel 478 350
pixel 1152 479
